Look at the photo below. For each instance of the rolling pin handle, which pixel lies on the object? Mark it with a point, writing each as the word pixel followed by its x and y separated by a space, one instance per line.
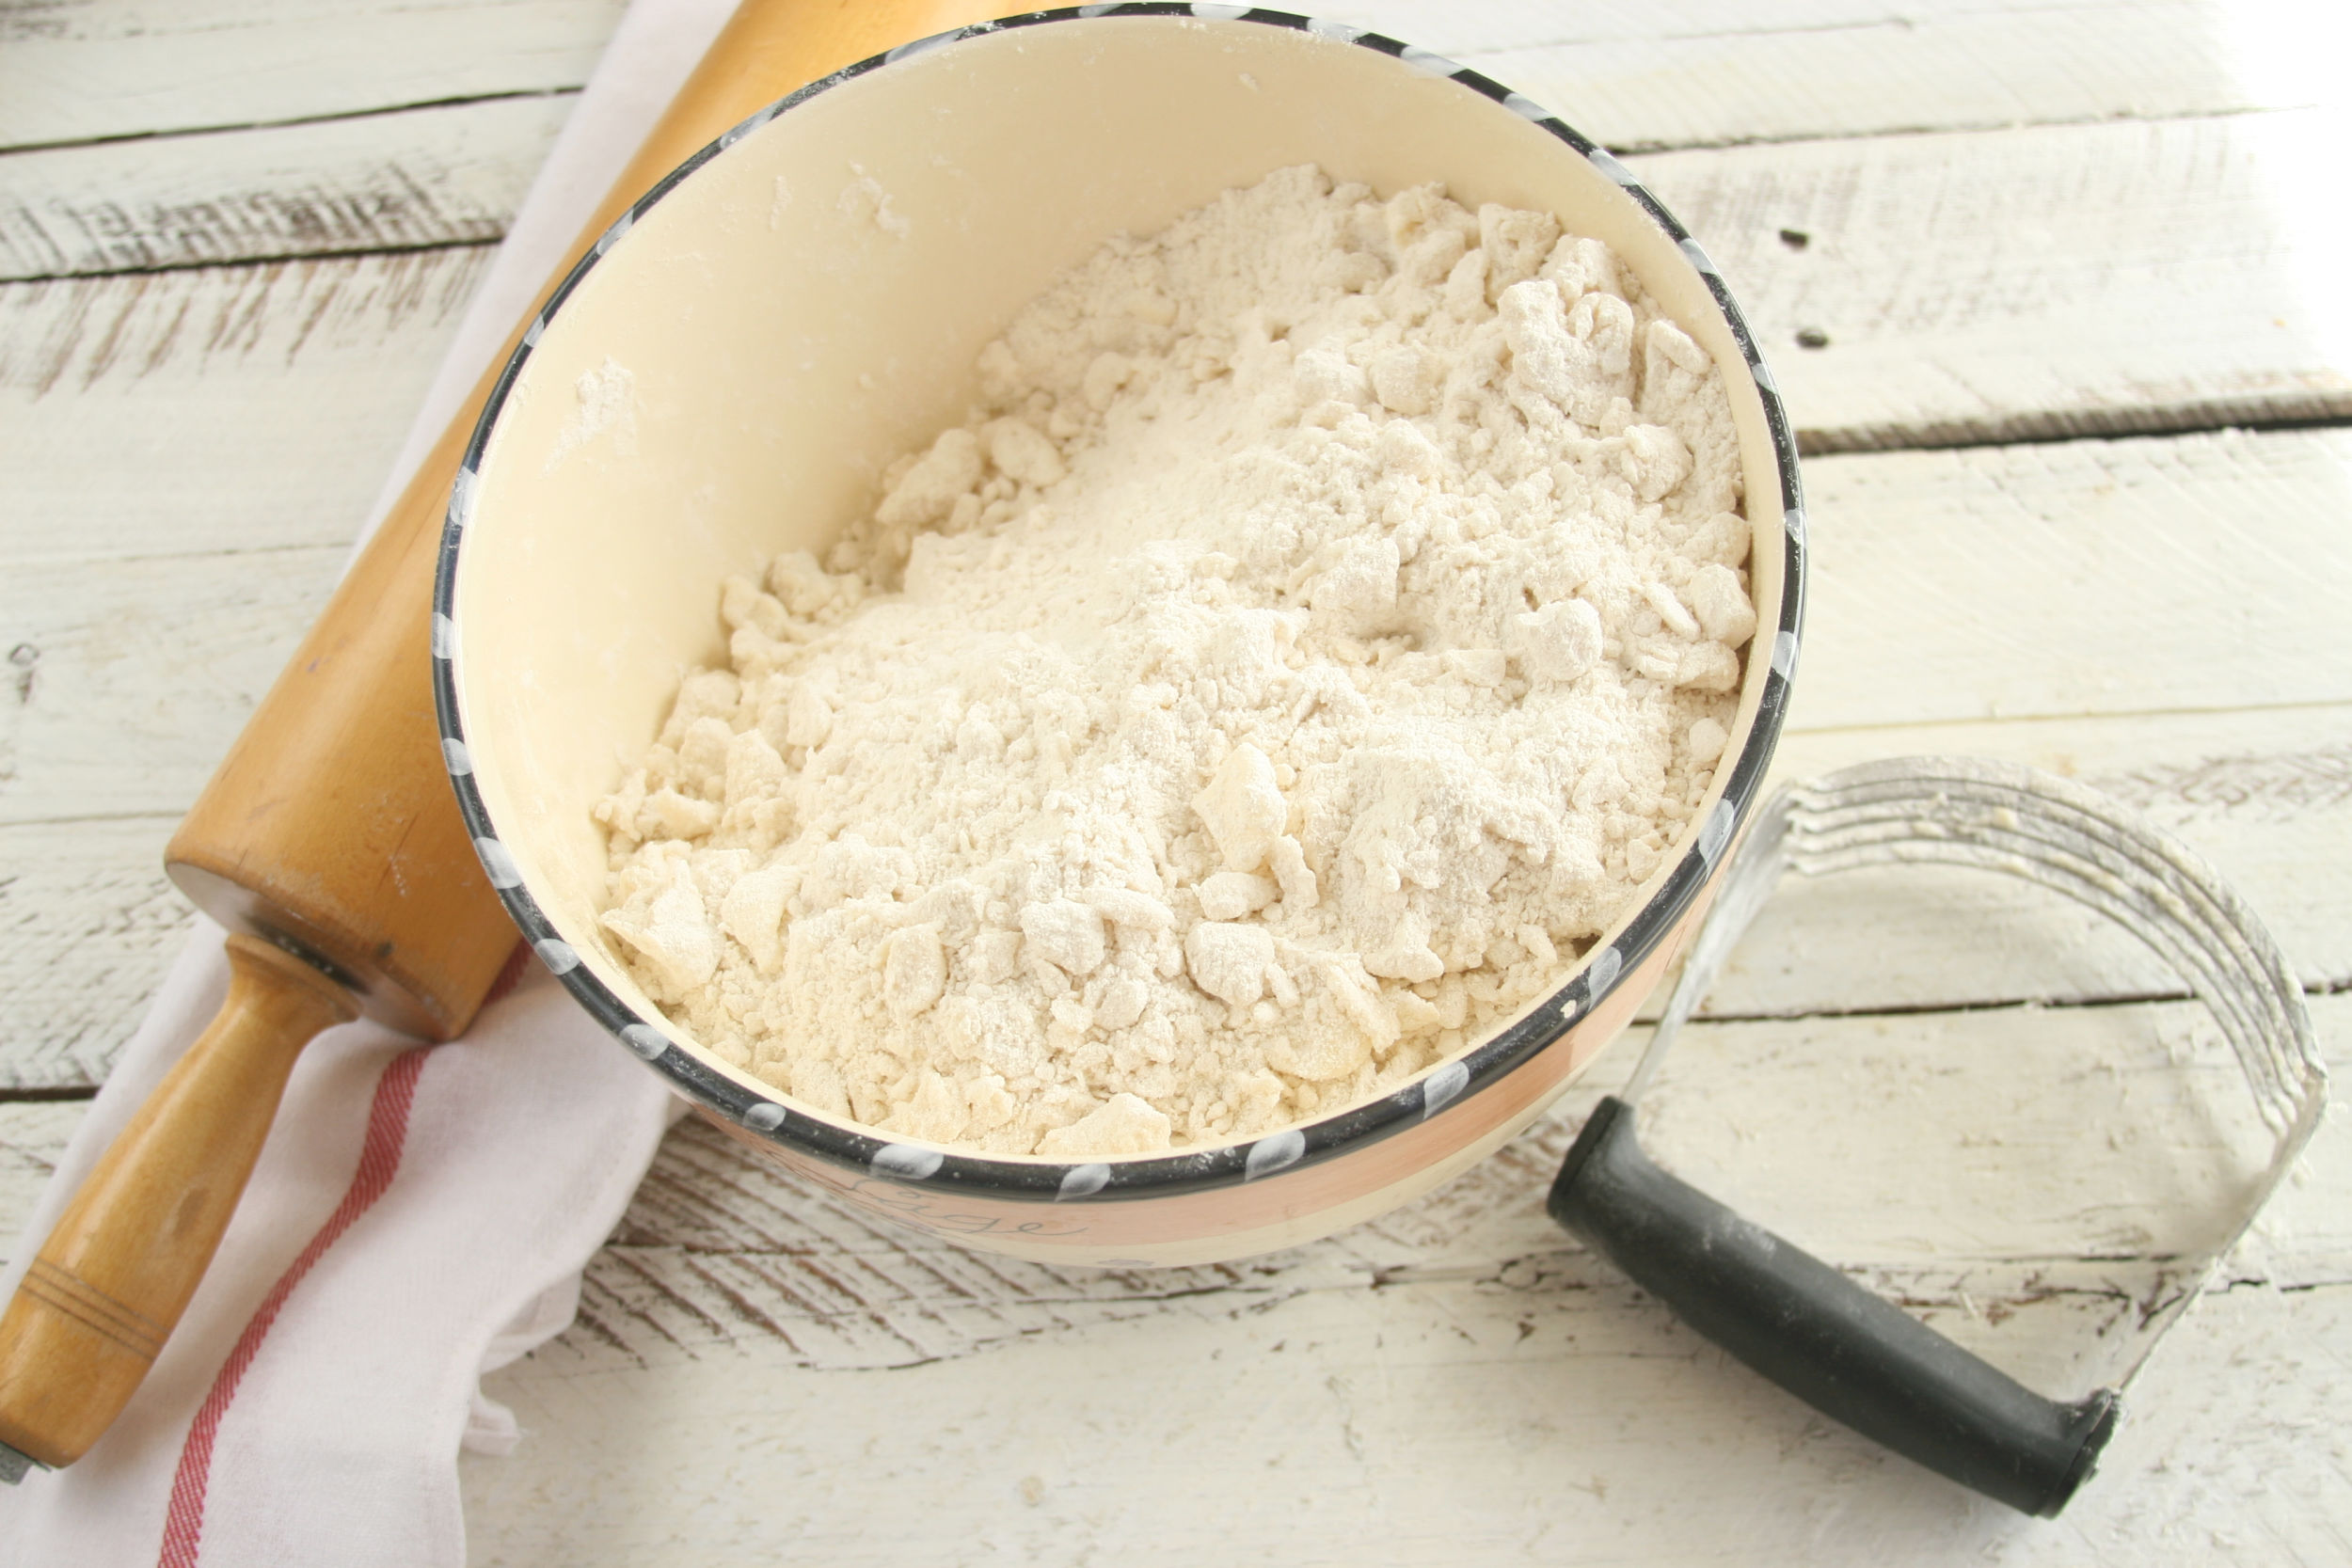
pixel 1817 1334
pixel 109 1285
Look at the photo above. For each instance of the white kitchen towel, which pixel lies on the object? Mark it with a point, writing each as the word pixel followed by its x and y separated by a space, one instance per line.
pixel 419 1214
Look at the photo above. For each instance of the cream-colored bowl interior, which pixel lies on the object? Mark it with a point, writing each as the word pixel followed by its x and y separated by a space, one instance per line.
pixel 780 345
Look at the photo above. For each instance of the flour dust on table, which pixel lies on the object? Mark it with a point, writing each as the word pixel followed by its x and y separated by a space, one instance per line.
pixel 1328 619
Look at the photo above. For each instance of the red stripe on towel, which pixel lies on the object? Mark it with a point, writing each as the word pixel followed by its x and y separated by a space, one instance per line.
pixel 379 1159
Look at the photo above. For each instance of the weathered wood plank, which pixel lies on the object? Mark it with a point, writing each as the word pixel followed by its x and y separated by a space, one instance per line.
pixel 75 71
pixel 2078 577
pixel 88 926
pixel 2116 1132
pixel 2005 285
pixel 453 173
pixel 2263 795
pixel 1441 1424
pixel 32 1134
pixel 444 175
pixel 1772 79
pixel 220 409
pixel 1494 25
pixel 173 651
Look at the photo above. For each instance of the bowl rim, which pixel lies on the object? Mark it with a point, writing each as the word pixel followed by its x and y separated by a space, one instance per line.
pixel 1046 1181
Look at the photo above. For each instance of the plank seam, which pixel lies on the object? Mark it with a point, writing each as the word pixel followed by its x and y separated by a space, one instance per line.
pixel 231 128
pixel 1958 128
pixel 2077 718
pixel 2330 408
pixel 1903 23
pixel 271 259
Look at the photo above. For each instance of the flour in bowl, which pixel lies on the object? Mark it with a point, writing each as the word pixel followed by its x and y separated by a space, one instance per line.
pixel 1330 617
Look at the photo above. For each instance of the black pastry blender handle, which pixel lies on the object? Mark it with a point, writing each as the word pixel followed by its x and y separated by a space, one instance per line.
pixel 1800 1322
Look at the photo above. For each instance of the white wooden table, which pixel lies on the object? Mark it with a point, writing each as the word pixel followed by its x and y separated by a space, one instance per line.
pixel 2082 498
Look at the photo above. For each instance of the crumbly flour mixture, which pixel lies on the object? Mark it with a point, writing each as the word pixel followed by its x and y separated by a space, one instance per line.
pixel 1330 618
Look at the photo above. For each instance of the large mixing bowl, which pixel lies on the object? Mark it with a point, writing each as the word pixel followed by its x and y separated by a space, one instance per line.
pixel 783 350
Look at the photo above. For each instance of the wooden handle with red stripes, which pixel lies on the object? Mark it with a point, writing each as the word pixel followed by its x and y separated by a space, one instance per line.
pixel 106 1289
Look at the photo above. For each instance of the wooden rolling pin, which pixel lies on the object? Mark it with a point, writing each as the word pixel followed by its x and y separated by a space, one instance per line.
pixel 329 842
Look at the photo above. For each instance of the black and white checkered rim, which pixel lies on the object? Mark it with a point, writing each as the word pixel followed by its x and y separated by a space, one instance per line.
pixel 1047 1181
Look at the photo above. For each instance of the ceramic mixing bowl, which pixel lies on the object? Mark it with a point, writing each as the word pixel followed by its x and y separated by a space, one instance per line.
pixel 783 350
